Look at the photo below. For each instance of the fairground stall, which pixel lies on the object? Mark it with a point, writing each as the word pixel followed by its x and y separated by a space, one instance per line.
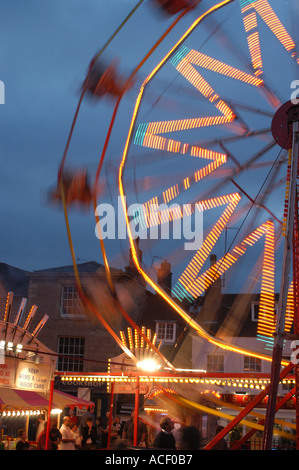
pixel 27 377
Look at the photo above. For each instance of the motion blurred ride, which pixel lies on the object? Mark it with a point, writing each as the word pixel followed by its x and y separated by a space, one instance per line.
pixel 172 7
pixel 102 80
pixel 76 188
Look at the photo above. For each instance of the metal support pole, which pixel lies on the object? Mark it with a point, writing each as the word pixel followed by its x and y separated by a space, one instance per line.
pixel 110 414
pixel 136 412
pixel 280 324
pixel 296 303
pixel 47 447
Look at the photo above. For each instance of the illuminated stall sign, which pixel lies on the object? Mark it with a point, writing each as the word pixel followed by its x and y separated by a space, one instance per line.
pixel 33 377
pixel 23 375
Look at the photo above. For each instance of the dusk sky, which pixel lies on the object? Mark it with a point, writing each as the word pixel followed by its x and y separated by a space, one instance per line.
pixel 45 53
pixel 46 47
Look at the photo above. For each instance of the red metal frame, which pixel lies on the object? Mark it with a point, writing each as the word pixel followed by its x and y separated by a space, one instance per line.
pixel 246 410
pixel 250 433
pixel 296 301
pixel 290 120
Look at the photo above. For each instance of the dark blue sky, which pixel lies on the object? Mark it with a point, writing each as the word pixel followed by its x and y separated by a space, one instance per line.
pixel 46 47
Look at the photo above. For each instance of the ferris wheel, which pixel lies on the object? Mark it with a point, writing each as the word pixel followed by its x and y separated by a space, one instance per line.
pixel 212 149
pixel 213 122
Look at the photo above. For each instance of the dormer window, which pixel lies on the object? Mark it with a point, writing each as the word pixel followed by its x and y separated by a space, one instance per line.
pixel 166 332
pixel 255 305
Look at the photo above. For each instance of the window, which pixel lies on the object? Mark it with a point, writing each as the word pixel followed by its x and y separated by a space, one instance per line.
pixel 252 364
pixel 255 310
pixel 255 305
pixel 72 348
pixel 215 363
pixel 70 301
pixel 166 332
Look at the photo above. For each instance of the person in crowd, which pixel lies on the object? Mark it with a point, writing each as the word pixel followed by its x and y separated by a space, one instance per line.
pixel 89 435
pixel 55 435
pixel 104 429
pixel 41 441
pixel 222 444
pixel 67 440
pixel 117 425
pixel 115 432
pixel 76 435
pixel 40 424
pixel 100 430
pixel 73 418
pixel 22 443
pixel 128 431
pixel 189 438
pixel 88 414
pixel 165 439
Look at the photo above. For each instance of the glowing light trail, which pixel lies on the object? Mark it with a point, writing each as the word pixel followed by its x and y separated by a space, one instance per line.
pixel 249 241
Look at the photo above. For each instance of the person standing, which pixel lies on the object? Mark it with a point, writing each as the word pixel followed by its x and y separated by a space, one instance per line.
pixel 128 431
pixel 74 419
pixel 40 426
pixel 67 439
pixel 55 435
pixel 84 417
pixel 76 435
pixel 190 438
pixel 222 444
pixel 41 441
pixel 165 439
pixel 89 435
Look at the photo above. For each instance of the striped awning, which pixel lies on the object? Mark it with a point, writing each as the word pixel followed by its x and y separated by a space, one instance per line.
pixel 21 400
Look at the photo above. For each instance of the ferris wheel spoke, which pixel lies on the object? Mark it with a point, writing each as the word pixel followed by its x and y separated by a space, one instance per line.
pixel 236 171
pixel 234 138
pixel 254 202
pixel 148 208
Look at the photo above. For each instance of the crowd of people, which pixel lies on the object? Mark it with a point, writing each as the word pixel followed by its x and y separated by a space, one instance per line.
pixel 87 433
pixel 91 433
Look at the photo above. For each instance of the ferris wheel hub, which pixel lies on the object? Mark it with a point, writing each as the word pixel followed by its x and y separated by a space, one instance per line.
pixel 282 122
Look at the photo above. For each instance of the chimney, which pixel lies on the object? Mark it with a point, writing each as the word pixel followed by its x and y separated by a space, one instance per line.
pixel 139 254
pixel 164 275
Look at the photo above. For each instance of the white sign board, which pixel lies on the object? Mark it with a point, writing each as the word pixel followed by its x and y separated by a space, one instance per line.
pixel 7 374
pixel 33 377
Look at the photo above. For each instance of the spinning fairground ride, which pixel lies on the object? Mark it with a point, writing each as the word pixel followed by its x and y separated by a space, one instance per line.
pixel 212 147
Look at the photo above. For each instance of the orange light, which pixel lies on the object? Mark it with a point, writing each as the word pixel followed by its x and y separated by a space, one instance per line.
pixel 265 11
pixel 8 305
pixel 266 316
pixel 150 209
pixel 290 308
pixel 188 283
pixel 202 60
pixel 130 338
pixel 188 277
pixel 176 307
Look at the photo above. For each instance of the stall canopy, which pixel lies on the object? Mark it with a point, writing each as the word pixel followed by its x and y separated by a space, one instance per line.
pixel 17 400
